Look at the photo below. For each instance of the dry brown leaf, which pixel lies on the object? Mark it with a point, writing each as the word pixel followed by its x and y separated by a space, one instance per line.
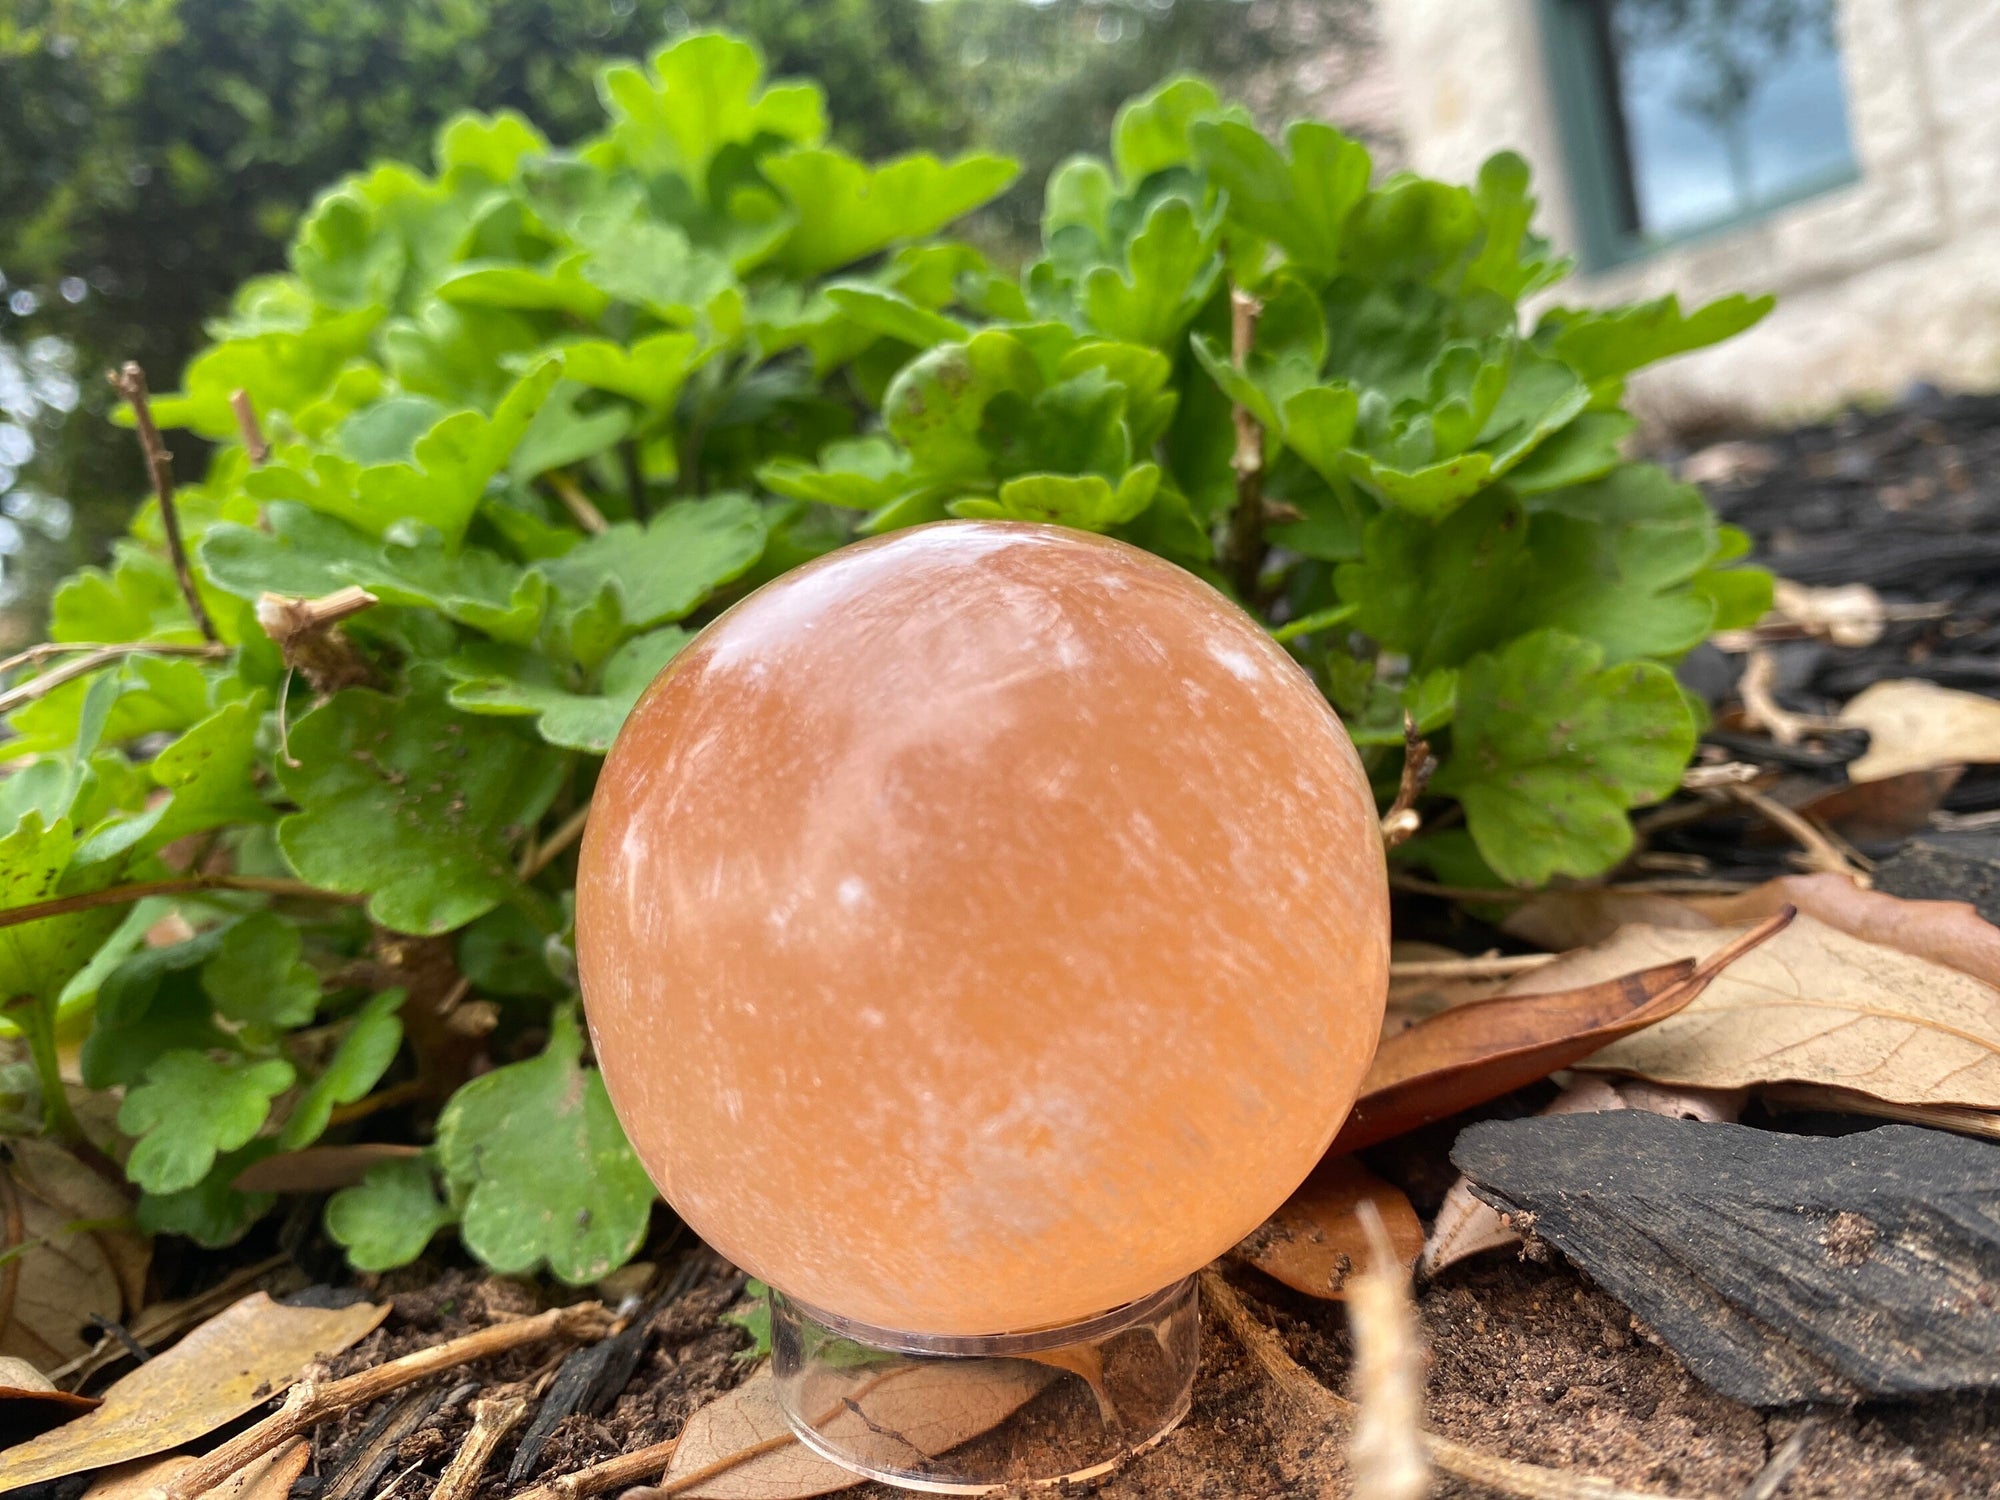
pixel 21 1381
pixel 233 1363
pixel 1481 1051
pixel 317 1169
pixel 1562 920
pixel 267 1478
pixel 1882 811
pixel 76 1258
pixel 739 1446
pixel 1915 725
pixel 1812 1005
pixel 1314 1242
pixel 1466 1226
pixel 1946 932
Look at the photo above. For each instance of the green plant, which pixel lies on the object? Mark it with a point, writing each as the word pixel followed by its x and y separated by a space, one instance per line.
pixel 534 417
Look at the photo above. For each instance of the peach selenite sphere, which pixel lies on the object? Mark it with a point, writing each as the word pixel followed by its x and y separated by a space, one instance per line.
pixel 981 927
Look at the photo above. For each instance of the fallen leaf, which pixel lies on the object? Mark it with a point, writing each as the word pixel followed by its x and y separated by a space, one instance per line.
pixel 317 1169
pixel 1481 1051
pixel 1915 725
pixel 1466 1225
pixel 267 1478
pixel 230 1365
pixel 1565 919
pixel 1884 811
pixel 740 1447
pixel 1951 933
pixel 1779 1268
pixel 1813 1005
pixel 74 1254
pixel 1315 1241
pixel 1411 1001
pixel 31 1404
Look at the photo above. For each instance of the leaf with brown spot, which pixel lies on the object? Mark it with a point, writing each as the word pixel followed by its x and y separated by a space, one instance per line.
pixel 1815 1005
pixel 71 1253
pixel 1315 1241
pixel 1478 1052
pixel 230 1365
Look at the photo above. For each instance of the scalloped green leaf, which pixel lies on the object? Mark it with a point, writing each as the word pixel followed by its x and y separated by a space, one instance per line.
pixel 387 1218
pixel 189 1108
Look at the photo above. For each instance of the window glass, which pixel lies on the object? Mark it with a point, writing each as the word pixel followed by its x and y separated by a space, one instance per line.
pixel 1723 106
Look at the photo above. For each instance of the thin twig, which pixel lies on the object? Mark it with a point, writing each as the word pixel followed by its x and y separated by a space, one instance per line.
pixel 1771 1478
pixel 95 657
pixel 1402 818
pixel 247 428
pixel 540 857
pixel 1245 549
pixel 48 649
pixel 130 382
pixel 1417 886
pixel 1487 966
pixel 631 1468
pixel 311 1402
pixel 1524 1481
pixel 586 515
pixel 494 1415
pixel 184 885
pixel 1821 852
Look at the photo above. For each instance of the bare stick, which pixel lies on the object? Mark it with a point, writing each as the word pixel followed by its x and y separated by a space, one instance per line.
pixel 1245 549
pixel 185 885
pixel 1487 966
pixel 586 515
pixel 1402 818
pixel 545 854
pixel 1774 1474
pixel 130 382
pixel 1821 851
pixel 640 1464
pixel 95 657
pixel 311 1402
pixel 248 430
pixel 493 1416
pixel 1524 1481
pixel 1387 1454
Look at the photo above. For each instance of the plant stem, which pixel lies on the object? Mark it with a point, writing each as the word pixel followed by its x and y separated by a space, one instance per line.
pixel 247 428
pixel 93 658
pixel 1402 818
pixel 544 854
pixel 311 1402
pixel 38 1024
pixel 130 382
pixel 119 895
pixel 586 515
pixel 1245 549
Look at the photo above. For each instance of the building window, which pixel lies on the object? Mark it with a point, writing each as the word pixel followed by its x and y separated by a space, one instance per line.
pixel 1686 116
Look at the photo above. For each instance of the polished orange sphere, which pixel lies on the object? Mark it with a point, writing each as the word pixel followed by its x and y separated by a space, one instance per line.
pixel 981 927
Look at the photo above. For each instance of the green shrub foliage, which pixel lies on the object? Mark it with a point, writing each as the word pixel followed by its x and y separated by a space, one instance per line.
pixel 555 408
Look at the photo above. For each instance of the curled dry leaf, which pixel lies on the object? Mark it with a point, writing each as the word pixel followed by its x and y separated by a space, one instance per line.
pixel 1915 725
pixel 1813 1005
pixel 1478 1052
pixel 1883 811
pixel 1945 932
pixel 1466 1225
pixel 71 1253
pixel 233 1363
pixel 268 1478
pixel 739 1446
pixel 1315 1241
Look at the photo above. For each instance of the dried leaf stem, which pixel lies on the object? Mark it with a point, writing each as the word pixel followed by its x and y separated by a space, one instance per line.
pixel 586 515
pixel 1486 966
pixel 184 885
pixel 1244 551
pixel 130 382
pixel 311 1402
pixel 633 1467
pixel 246 427
pixel 1402 819
pixel 93 658
pixel 1387 1456
pixel 1505 1475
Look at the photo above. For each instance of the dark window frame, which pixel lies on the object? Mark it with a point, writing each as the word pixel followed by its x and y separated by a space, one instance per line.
pixel 1583 78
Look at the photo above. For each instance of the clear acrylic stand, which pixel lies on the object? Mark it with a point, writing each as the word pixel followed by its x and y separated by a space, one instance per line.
pixel 972 1415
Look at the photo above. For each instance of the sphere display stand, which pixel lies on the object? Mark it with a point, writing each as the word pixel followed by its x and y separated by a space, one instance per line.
pixel 976 1414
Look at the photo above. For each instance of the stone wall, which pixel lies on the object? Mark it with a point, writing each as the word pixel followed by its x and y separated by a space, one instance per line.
pixel 1892 279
